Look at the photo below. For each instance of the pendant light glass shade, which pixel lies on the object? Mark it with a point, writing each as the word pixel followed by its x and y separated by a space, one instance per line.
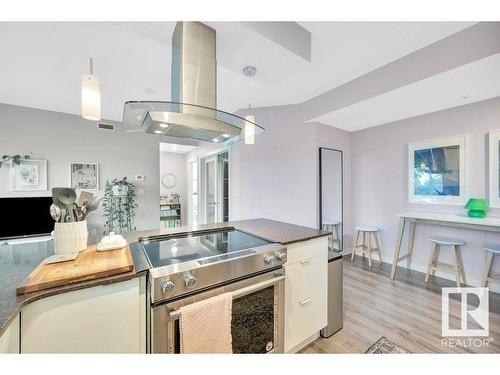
pixel 249 130
pixel 91 96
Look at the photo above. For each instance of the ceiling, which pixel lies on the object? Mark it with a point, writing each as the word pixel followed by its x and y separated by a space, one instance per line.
pixel 43 63
pixel 176 148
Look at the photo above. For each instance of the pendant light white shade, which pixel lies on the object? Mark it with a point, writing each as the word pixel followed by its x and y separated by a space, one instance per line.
pixel 91 96
pixel 249 130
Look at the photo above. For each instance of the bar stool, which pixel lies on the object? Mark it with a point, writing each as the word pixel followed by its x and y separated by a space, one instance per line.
pixel 491 251
pixel 332 226
pixel 457 268
pixel 367 232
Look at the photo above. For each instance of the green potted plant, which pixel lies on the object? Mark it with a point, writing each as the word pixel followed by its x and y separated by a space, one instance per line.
pixel 119 204
pixel 16 159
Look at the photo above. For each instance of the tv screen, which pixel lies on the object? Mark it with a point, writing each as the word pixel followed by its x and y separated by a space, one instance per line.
pixel 26 216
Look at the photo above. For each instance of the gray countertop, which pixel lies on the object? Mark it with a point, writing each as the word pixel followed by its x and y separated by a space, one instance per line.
pixel 17 261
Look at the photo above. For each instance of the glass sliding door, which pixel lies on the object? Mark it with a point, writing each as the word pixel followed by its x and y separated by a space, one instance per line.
pixel 215 188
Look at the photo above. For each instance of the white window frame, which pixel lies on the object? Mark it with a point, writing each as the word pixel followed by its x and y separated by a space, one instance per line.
pixel 461 141
pixel 493 164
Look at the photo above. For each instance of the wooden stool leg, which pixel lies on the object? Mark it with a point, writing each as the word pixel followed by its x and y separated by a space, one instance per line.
pixel 438 250
pixel 456 264
pixel 377 242
pixel 487 269
pixel 461 264
pixel 369 249
pixel 431 262
pixel 354 246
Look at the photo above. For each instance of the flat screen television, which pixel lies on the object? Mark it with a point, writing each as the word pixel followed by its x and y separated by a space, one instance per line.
pixel 25 217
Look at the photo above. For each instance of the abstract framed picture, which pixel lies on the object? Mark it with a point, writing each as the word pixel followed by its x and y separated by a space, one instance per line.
pixel 437 171
pixel 30 175
pixel 84 176
pixel 493 167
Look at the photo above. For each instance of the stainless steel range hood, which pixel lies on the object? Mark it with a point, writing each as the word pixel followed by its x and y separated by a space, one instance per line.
pixel 192 112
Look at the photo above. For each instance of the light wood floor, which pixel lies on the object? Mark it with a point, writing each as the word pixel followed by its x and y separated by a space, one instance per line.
pixel 406 311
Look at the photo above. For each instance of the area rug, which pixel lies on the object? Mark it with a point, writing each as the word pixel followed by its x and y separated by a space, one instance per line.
pixel 384 346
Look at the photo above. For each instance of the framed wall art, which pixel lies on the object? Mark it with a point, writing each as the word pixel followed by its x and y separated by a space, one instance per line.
pixel 84 176
pixel 437 171
pixel 29 175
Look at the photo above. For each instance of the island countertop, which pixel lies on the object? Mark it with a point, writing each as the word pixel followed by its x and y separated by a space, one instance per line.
pixel 267 229
pixel 17 261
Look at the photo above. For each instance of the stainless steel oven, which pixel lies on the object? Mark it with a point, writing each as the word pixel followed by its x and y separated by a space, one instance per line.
pixel 257 315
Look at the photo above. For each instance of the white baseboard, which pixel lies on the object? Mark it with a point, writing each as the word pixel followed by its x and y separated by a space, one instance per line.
pixel 423 268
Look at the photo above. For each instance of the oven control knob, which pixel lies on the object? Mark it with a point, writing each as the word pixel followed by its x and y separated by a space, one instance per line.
pixel 281 256
pixel 189 280
pixel 168 287
pixel 269 259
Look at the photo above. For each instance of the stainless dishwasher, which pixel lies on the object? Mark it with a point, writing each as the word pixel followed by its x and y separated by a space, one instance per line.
pixel 335 302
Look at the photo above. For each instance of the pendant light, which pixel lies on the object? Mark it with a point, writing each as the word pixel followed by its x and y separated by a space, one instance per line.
pixel 249 131
pixel 91 95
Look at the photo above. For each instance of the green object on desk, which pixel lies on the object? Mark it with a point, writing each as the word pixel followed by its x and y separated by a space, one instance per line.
pixel 477 207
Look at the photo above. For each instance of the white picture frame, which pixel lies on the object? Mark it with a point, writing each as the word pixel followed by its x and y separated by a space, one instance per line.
pixel 29 175
pixel 449 144
pixel 493 166
pixel 84 176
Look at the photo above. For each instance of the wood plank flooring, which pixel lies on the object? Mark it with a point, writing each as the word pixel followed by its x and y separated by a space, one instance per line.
pixel 406 311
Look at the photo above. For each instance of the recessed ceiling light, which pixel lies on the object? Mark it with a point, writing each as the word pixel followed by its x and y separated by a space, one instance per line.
pixel 225 135
pixel 163 125
pixel 158 132
pixel 215 140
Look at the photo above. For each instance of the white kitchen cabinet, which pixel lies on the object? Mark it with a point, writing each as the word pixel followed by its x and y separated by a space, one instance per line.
pixel 306 288
pixel 9 341
pixel 102 319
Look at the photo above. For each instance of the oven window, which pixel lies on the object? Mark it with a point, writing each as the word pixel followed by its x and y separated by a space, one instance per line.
pixel 252 325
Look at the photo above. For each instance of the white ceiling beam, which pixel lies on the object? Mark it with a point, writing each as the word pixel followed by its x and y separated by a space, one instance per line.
pixel 289 35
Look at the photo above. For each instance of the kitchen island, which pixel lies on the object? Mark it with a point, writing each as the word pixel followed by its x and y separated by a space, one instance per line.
pixel 16 262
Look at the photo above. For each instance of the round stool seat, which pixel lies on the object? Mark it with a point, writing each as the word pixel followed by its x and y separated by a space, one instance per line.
pixel 447 241
pixel 366 228
pixel 330 222
pixel 492 248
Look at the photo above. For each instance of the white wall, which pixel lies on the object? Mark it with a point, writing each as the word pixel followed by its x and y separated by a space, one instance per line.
pixel 278 176
pixel 380 179
pixel 60 138
pixel 176 164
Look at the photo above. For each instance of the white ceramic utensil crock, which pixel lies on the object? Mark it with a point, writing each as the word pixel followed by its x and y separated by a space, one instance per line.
pixel 70 237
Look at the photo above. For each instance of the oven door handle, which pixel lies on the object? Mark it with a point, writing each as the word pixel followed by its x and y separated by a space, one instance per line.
pixel 241 292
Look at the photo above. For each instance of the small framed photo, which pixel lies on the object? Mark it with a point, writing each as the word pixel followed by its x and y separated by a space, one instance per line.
pixel 84 176
pixel 30 175
pixel 437 171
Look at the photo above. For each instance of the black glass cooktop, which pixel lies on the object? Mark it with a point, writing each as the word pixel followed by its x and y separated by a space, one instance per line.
pixel 177 249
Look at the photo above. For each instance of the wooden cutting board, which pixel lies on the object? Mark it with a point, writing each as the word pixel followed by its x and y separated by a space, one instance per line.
pixel 89 265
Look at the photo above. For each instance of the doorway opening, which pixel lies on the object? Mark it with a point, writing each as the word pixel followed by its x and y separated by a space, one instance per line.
pixel 194 185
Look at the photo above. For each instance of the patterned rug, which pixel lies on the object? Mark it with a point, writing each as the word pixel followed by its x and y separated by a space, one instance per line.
pixel 384 346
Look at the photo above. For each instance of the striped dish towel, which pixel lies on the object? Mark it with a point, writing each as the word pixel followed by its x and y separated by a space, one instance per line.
pixel 205 326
